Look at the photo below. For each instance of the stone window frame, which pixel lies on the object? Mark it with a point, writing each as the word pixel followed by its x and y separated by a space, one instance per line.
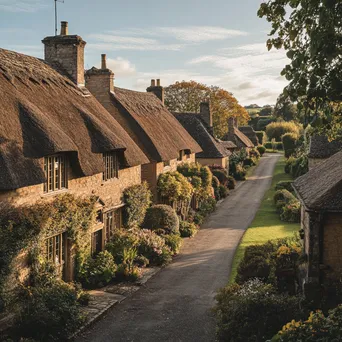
pixel 55 251
pixel 112 220
pixel 55 169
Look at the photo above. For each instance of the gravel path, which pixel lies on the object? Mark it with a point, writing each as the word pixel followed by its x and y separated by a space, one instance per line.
pixel 176 304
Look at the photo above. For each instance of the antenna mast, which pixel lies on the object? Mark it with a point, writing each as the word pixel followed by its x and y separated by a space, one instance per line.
pixel 56 18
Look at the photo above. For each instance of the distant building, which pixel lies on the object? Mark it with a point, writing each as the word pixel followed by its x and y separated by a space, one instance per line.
pixel 147 121
pixel 237 137
pixel 321 149
pixel 200 127
pixel 249 132
pixel 320 193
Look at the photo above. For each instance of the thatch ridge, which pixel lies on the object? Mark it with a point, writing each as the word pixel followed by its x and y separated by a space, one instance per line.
pixel 321 188
pixel 194 125
pixel 322 148
pixel 42 113
pixel 151 125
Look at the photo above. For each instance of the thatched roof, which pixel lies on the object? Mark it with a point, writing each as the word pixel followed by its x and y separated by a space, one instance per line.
pixel 249 132
pixel 42 113
pixel 227 144
pixel 157 132
pixel 194 125
pixel 239 139
pixel 322 148
pixel 321 188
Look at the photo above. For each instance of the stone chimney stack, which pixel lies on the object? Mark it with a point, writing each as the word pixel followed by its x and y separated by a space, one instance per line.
pixel 157 90
pixel 100 82
pixel 206 115
pixel 231 125
pixel 66 51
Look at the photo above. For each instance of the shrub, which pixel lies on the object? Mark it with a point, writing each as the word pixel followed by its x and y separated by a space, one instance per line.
pixel 221 175
pixel 284 185
pixel 127 270
pixel 261 149
pixel 254 154
pixel 300 167
pixel 252 311
pixel 288 164
pixel 152 247
pixel 98 271
pixel 249 162
pixel 291 212
pixel 174 242
pixel 190 170
pixel 231 183
pixel 274 146
pixel 261 135
pixel 283 195
pixel 187 229
pixel 207 206
pixel 263 123
pixel 199 218
pixel 223 191
pixel 317 328
pixel 240 173
pixel 162 216
pixel 215 182
pixel 276 130
pixel 253 267
pixel 137 199
pixel 290 142
pixel 48 313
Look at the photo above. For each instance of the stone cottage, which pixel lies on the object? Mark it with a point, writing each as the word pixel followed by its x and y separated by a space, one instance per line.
pixel 249 132
pixel 200 127
pixel 148 122
pixel 56 138
pixel 320 149
pixel 237 137
pixel 320 192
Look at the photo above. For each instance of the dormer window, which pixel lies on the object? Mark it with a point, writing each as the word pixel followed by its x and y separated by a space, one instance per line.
pixel 55 173
pixel 111 165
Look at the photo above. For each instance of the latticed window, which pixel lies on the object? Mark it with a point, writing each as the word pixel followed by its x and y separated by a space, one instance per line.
pixel 111 164
pixel 55 172
pixel 113 221
pixel 55 251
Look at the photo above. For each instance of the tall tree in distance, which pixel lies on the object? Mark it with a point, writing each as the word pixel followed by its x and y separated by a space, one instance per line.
pixel 311 33
pixel 285 109
pixel 185 97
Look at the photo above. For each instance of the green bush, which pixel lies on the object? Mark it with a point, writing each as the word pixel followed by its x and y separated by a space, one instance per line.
pixel 317 328
pixel 284 185
pixel 152 247
pixel 190 170
pixel 283 195
pixel 249 162
pixel 274 146
pixel 48 313
pixel 98 271
pixel 137 199
pixel 261 135
pixel 223 191
pixel 297 166
pixel 162 216
pixel 290 143
pixel 263 123
pixel 199 218
pixel 261 149
pixel 221 175
pixel 174 242
pixel 276 130
pixel 253 311
pixel 207 206
pixel 291 212
pixel 231 183
pixel 215 182
pixel 187 229
pixel 254 153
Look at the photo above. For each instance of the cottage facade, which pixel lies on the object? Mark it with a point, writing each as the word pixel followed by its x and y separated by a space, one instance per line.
pixel 200 127
pixel 320 192
pixel 56 138
pixel 145 118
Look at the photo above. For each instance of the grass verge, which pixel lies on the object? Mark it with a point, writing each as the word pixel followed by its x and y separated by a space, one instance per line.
pixel 266 224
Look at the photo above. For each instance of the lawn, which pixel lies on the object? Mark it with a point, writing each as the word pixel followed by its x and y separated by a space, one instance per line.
pixel 266 224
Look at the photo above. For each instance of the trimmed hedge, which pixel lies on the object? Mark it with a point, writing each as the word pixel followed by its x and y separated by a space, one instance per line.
pixel 261 135
pixel 290 142
pixel 261 150
pixel 284 185
pixel 276 130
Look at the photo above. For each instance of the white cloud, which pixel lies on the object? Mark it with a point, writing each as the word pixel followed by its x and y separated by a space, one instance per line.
pixel 121 67
pixel 22 5
pixel 31 50
pixel 138 47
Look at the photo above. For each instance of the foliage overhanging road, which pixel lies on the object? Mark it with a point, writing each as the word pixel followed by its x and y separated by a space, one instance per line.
pixel 176 304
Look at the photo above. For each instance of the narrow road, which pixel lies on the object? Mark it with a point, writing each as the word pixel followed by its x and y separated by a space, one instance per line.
pixel 176 304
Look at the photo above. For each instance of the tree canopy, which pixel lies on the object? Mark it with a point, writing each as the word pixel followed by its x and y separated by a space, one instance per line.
pixel 185 97
pixel 311 33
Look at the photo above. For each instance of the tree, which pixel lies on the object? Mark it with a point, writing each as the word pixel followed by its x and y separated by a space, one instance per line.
pixel 311 33
pixel 187 97
pixel 285 109
pixel 266 111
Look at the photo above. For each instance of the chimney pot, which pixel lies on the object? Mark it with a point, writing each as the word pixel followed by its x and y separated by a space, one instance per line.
pixel 153 83
pixel 103 61
pixel 64 28
pixel 158 82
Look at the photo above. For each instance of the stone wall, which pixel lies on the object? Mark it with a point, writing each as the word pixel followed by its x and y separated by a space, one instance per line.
pixel 223 162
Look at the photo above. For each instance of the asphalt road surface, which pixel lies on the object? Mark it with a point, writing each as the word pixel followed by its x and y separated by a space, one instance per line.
pixel 176 304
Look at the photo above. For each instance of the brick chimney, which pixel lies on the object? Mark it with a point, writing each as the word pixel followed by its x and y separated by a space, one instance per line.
pixel 231 125
pixel 100 82
pixel 66 51
pixel 206 115
pixel 157 90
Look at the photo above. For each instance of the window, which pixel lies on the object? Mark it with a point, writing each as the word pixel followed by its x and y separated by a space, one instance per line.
pixel 112 222
pixel 111 166
pixel 97 240
pixel 167 163
pixel 55 250
pixel 181 155
pixel 55 173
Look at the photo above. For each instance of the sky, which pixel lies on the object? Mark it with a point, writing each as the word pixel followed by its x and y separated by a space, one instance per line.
pixel 218 42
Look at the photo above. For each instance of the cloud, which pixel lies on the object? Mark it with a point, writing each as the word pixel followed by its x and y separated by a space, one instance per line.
pixel 246 85
pixel 121 67
pixel 29 6
pixel 31 50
